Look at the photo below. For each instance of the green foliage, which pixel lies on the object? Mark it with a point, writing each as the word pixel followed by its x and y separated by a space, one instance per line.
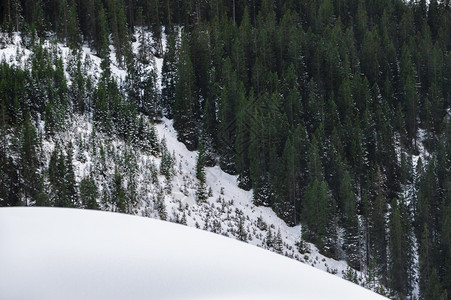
pixel 169 74
pixel 29 173
pixel 63 187
pixel 201 190
pixel 119 200
pixel 241 232
pixel 167 161
pixel 185 121
pixel 401 258
pixel 315 212
pixel 351 275
pixel 321 107
pixel 89 193
pixel 231 96
pixel 348 206
pixel 160 205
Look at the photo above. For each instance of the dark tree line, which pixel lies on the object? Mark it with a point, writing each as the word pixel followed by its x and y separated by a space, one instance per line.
pixel 321 109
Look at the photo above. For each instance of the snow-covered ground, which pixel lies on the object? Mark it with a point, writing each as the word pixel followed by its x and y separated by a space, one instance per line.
pixel 228 206
pixel 14 52
pixel 225 190
pixel 51 253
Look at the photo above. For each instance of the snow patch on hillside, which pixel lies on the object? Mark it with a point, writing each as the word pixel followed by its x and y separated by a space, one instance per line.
pixel 14 52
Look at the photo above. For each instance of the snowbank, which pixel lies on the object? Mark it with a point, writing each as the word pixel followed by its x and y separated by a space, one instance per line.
pixel 51 253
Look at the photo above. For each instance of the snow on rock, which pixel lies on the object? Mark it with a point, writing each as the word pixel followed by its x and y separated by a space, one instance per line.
pixel 54 253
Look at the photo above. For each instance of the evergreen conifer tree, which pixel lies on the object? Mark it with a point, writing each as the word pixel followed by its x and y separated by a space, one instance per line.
pixel 89 193
pixel 185 121
pixel 29 163
pixel 169 75
pixel 201 190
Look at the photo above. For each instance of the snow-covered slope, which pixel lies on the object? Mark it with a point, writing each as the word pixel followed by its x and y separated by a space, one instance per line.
pixel 50 253
pixel 228 207
pixel 227 203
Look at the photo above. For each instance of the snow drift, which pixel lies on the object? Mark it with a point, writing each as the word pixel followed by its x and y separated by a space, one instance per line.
pixel 51 253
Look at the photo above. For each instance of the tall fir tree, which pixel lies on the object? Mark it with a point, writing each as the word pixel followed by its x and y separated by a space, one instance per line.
pixel 185 121
pixel 169 73
pixel 201 190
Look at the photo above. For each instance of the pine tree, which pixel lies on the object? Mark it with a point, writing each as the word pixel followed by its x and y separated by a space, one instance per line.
pixel 314 105
pixel 71 184
pixel 160 205
pixel 286 198
pixel 89 193
pixel 73 31
pixel 232 94
pixel 278 242
pixel 315 212
pixel 201 190
pixel 292 163
pixel 259 165
pixel 301 145
pixel 269 239
pixel 241 230
pixel 378 236
pixel 348 205
pixel 118 198
pixel 50 120
pixel 167 163
pixel 332 119
pixel 292 98
pixel 239 61
pixel 102 115
pixel 411 97
pixel 124 47
pixel 209 127
pixel 102 44
pixel 437 106
pixel 141 87
pixel 62 190
pixel 144 48
pixel 314 164
pixel 185 121
pixel 29 174
pixel 79 90
pixel 169 75
pixel 370 63
pixel 427 286
pixel 200 57
pixel 400 250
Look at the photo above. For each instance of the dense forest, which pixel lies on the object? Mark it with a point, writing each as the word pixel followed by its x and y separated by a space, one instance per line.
pixel 336 113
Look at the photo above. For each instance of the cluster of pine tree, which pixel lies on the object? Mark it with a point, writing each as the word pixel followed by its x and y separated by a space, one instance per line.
pixel 35 105
pixel 322 107
pixel 39 97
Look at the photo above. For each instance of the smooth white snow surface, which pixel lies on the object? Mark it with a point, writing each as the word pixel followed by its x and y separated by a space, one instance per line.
pixel 54 253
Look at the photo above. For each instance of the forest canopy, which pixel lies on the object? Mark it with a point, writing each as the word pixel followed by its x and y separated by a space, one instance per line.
pixel 336 113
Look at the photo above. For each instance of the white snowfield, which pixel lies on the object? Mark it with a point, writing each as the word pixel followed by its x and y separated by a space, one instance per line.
pixel 54 253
